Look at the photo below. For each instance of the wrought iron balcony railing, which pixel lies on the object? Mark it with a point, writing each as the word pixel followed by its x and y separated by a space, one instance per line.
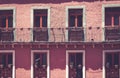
pixel 76 34
pixel 6 34
pixel 90 34
pixel 112 33
pixel 40 34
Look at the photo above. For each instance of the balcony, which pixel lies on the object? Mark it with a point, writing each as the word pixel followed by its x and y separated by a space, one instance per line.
pixel 76 34
pixel 64 35
pixel 112 33
pixel 40 34
pixel 6 34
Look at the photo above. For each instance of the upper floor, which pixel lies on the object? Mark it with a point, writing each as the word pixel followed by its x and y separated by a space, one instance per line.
pixel 75 21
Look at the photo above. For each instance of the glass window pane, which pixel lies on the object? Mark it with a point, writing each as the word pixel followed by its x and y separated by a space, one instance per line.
pixel 10 21
pixel 37 59
pixel 44 59
pixel 109 60
pixel 72 59
pixel 4 60
pixel 116 59
pixel 37 21
pixel 10 59
pixel 79 21
pixel 71 21
pixel 3 21
pixel 79 58
pixel 116 20
pixel 44 21
pixel 108 19
pixel 40 18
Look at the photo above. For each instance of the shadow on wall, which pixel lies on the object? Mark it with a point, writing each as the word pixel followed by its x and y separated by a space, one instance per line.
pixel 40 1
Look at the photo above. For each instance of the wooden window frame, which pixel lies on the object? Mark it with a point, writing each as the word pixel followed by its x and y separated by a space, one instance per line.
pixel 112 57
pixel 32 62
pixel 83 20
pixel 104 65
pixel 41 62
pixel 112 19
pixel 75 57
pixel 76 14
pixel 41 16
pixel 13 58
pixel 7 15
pixel 67 61
pixel 6 58
pixel 112 15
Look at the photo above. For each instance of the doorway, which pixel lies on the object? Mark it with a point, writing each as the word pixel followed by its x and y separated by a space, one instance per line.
pixel 112 63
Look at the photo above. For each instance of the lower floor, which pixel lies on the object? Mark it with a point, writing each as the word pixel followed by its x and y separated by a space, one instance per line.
pixel 60 61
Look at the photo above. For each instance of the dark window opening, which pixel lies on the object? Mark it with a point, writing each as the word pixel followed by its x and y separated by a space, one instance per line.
pixel 6 25
pixel 112 59
pixel 40 32
pixel 40 65
pixel 40 59
pixel 112 16
pixel 75 17
pixel 116 20
pixel 6 18
pixel 112 23
pixel 6 65
pixel 6 59
pixel 40 18
pixel 112 64
pixel 75 65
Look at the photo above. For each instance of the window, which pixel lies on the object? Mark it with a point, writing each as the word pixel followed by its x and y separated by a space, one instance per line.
pixel 6 18
pixel 112 23
pixel 40 18
pixel 40 32
pixel 112 64
pixel 75 32
pixel 75 59
pixel 75 17
pixel 6 65
pixel 40 65
pixel 75 65
pixel 6 25
pixel 40 59
pixel 112 16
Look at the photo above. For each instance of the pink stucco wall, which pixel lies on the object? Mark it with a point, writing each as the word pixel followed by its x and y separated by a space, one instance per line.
pixel 23 62
pixel 93 15
pixel 57 62
pixel 94 62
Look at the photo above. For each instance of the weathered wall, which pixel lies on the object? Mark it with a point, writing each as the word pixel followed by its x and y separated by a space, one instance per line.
pixel 93 59
pixel 94 62
pixel 93 16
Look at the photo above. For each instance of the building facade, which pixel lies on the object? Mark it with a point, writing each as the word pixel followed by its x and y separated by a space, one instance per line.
pixel 60 39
